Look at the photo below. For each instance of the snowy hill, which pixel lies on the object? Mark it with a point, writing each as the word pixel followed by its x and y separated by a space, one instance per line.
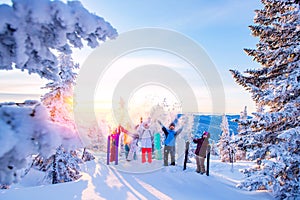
pixel 101 181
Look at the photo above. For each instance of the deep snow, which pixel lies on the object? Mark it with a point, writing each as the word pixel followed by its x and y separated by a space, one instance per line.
pixel 129 180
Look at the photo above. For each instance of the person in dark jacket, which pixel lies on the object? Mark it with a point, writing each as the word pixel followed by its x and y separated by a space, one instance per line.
pixel 170 140
pixel 202 144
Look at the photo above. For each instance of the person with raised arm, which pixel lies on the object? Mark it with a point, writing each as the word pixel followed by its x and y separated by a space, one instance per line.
pixel 170 141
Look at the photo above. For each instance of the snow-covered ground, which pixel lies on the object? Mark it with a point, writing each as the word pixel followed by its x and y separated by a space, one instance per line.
pixel 134 180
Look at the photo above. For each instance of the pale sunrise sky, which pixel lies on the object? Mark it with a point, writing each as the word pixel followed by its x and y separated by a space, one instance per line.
pixel 220 27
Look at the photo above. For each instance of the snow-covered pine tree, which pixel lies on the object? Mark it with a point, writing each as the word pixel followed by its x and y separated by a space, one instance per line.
pixel 87 156
pixel 95 135
pixel 120 112
pixel 63 166
pixel 232 137
pixel 275 88
pixel 243 130
pixel 25 131
pixel 188 123
pixel 31 30
pixel 224 141
pixel 243 118
pixel 59 100
pixel 233 148
pixel 214 148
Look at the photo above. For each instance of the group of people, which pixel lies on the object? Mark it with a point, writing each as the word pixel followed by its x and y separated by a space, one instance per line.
pixel 145 135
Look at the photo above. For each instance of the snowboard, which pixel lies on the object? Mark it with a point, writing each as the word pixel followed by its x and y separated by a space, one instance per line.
pixel 157 146
pixel 207 160
pixel 186 154
pixel 108 150
pixel 112 148
pixel 117 148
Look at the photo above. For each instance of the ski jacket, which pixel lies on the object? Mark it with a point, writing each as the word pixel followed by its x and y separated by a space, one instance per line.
pixel 126 139
pixel 202 144
pixel 170 136
pixel 146 137
pixel 133 145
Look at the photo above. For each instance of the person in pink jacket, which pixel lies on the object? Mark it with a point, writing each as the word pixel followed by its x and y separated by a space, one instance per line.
pixel 133 146
pixel 201 151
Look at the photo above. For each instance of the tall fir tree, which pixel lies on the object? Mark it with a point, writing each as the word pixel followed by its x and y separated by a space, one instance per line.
pixel 31 34
pixel 243 118
pixel 275 88
pixel 241 138
pixel 224 141
pixel 59 100
pixel 96 137
pixel 233 148
pixel 214 149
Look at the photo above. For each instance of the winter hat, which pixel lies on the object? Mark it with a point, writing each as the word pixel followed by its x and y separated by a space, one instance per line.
pixel 146 123
pixel 172 124
pixel 206 133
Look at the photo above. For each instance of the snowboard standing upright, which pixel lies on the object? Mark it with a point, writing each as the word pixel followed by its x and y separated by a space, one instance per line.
pixel 117 149
pixel 157 146
pixel 108 150
pixel 112 147
pixel 207 160
pixel 186 154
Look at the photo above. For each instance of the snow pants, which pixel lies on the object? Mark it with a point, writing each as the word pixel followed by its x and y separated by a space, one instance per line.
pixel 169 150
pixel 200 164
pixel 149 153
pixel 132 151
pixel 127 149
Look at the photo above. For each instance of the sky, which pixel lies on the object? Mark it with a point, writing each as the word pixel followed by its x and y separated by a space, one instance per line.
pixel 220 27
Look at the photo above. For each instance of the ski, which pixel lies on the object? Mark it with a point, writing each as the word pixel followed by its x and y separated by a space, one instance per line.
pixel 186 154
pixel 207 160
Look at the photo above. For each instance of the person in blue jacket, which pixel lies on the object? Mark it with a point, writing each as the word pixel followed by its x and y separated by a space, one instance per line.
pixel 170 140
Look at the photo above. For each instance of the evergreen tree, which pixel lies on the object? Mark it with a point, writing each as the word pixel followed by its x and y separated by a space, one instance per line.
pixel 224 142
pixel 243 118
pixel 31 31
pixel 214 149
pixel 25 132
pixel 233 148
pixel 59 100
pixel 241 138
pixel 96 137
pixel 63 166
pixel 275 88
pixel 189 125
pixel 87 156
